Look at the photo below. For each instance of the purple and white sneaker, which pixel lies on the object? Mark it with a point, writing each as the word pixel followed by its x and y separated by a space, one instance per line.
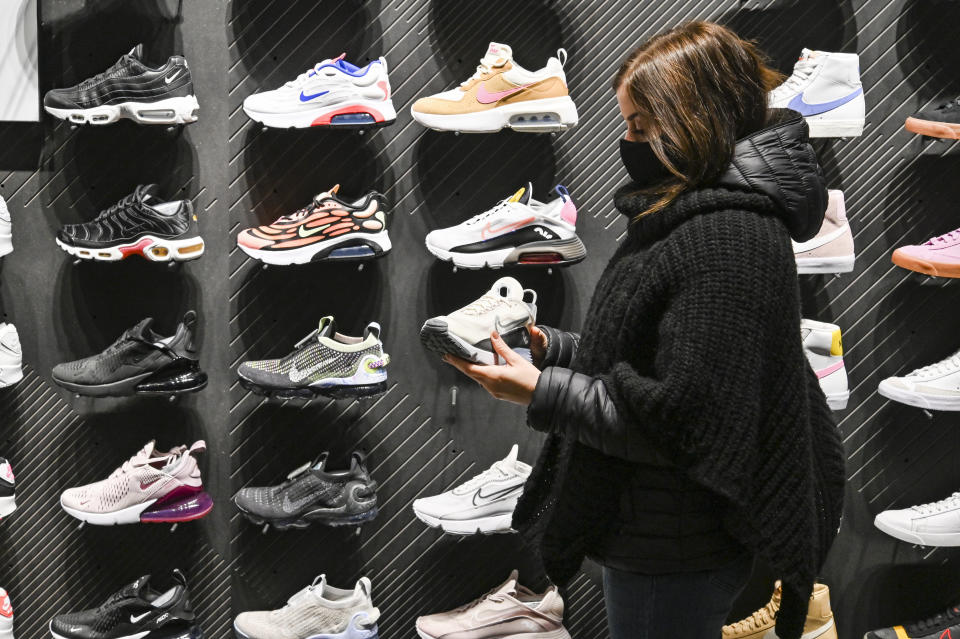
pixel 319 611
pixel 150 487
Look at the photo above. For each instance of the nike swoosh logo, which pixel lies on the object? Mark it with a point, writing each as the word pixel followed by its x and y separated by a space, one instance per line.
pixel 137 618
pixel 817 242
pixel 293 506
pixel 489 231
pixel 145 485
pixel 302 231
pixel 171 78
pixel 307 98
pixel 797 103
pixel 479 498
pixel 833 368
pixel 297 375
pixel 488 97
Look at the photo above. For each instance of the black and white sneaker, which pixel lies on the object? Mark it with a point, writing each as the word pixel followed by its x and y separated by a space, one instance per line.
pixel 313 494
pixel 129 89
pixel 8 502
pixel 138 610
pixel 140 362
pixel 139 224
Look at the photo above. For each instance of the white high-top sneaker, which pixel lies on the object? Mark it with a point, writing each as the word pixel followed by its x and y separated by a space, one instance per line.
pixel 934 524
pixel 831 251
pixel 935 387
pixel 825 89
pixel 11 357
pixel 6 229
pixel 824 349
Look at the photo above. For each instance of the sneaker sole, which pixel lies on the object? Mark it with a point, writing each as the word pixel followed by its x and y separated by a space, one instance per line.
pixel 150 247
pixel 361 114
pixel 819 265
pixel 346 248
pixel 334 521
pixel 341 391
pixel 921 539
pixel 548 253
pixel 436 337
pixel 495 525
pixel 182 110
pixel 916 399
pixel 534 116
pixel 138 513
pixel 935 269
pixel 128 387
pixel 929 128
pixel 192 633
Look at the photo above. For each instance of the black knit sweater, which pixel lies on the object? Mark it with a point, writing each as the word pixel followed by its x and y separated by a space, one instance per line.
pixel 691 351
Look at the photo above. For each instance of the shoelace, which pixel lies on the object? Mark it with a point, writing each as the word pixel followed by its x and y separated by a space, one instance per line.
pixel 801 73
pixel 950 364
pixel 476 219
pixel 953 501
pixel 498 469
pixel 302 594
pixel 758 619
pixel 135 461
pixel 103 75
pixel 298 82
pixel 487 303
pixel 935 621
pixel 946 238
pixel 124 203
pixel 482 69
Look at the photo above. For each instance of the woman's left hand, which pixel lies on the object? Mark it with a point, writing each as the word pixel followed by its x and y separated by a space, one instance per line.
pixel 513 381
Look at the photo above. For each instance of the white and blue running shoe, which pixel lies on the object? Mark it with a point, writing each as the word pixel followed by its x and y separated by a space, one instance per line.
pixel 319 611
pixel 334 93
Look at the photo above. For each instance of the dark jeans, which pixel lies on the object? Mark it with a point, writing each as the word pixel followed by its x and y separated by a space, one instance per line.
pixel 693 605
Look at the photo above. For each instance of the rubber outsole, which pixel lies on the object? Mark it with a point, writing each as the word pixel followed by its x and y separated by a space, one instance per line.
pixel 300 523
pixel 309 392
pixel 467 528
pixel 7 506
pixel 128 387
pixel 188 633
pixel 933 129
pixel 150 248
pixel 436 337
pixel 325 254
pixel 933 540
pixel 169 111
pixel 544 115
pixel 537 254
pixel 934 269
pixel 897 394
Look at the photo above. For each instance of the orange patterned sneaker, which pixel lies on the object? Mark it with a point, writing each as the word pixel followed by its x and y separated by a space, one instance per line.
pixel 760 625
pixel 502 94
pixel 327 229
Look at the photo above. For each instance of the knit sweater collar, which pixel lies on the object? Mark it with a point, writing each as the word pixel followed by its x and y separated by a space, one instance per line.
pixel 773 172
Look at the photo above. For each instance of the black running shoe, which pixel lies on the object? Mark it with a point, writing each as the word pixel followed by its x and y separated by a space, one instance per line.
pixel 139 224
pixel 8 502
pixel 313 494
pixel 140 362
pixel 944 625
pixel 129 89
pixel 941 122
pixel 136 611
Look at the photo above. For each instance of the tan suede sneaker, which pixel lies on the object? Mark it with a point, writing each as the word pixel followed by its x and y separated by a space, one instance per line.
pixel 509 610
pixel 760 625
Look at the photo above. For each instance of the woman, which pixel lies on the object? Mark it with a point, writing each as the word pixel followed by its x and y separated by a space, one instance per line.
pixel 688 434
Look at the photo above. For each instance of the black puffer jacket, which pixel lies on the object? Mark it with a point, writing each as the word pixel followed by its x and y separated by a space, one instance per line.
pixel 691 357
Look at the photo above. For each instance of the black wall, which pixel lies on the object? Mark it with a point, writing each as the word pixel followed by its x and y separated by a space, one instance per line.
pixel 898 187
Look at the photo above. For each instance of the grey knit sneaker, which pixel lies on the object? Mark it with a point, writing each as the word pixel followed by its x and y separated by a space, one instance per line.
pixel 323 363
pixel 318 611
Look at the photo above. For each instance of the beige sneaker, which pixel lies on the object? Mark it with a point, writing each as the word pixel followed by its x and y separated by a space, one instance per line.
pixel 831 251
pixel 507 611
pixel 760 625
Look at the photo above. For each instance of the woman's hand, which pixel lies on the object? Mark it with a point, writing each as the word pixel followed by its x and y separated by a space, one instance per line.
pixel 513 381
pixel 538 345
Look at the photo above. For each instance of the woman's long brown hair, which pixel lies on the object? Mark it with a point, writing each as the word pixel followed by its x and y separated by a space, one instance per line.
pixel 702 88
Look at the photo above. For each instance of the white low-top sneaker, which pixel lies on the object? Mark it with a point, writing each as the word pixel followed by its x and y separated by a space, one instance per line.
pixel 934 387
pixel 6 229
pixel 483 504
pixel 934 524
pixel 825 89
pixel 11 356
pixel 507 308
pixel 518 230
pixel 333 93
pixel 823 347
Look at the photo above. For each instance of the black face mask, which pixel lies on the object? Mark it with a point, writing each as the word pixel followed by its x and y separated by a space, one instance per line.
pixel 644 167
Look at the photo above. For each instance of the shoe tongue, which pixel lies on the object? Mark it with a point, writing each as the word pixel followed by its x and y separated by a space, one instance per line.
pixel 511 458
pixel 497 51
pixel 509 587
pixel 327 327
pixel 523 195
pixel 320 197
pixel 142 329
pixel 507 287
pixel 148 450
pixel 137 588
pixel 137 53
pixel 147 192
pixel 809 54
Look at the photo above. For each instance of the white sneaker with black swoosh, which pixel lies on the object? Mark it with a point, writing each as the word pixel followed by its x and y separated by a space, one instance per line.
pixel 483 504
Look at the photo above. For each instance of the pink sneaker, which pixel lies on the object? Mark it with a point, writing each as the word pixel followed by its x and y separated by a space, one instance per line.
pixel 831 251
pixel 939 256
pixel 508 611
pixel 6 616
pixel 151 486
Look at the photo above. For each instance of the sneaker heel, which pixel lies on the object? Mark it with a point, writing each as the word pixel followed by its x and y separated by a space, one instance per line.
pixel 178 509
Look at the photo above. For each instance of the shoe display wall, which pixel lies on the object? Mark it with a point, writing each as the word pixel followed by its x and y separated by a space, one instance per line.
pixel 406 247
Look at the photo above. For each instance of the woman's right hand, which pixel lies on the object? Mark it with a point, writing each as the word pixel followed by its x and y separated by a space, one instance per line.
pixel 538 345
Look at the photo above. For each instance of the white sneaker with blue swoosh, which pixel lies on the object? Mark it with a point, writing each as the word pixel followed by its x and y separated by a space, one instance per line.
pixel 334 93
pixel 483 504
pixel 825 89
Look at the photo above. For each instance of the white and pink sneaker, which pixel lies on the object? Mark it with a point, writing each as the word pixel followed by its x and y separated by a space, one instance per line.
pixel 939 256
pixel 824 349
pixel 151 487
pixel 8 502
pixel 831 251
pixel 6 616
